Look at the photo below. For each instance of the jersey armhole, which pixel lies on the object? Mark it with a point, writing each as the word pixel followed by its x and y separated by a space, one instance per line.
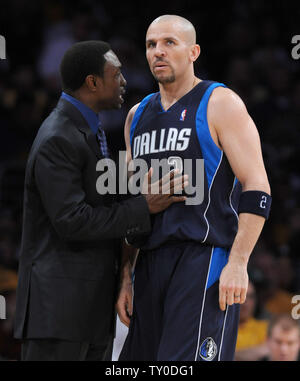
pixel 201 116
pixel 138 114
pixel 212 154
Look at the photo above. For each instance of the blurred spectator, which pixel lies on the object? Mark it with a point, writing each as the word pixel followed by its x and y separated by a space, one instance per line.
pixel 240 77
pixel 134 65
pixel 267 275
pixel 9 347
pixel 57 38
pixel 294 245
pixel 8 280
pixel 283 339
pixel 252 333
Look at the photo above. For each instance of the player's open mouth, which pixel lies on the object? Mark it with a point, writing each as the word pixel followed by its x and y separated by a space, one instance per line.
pixel 160 66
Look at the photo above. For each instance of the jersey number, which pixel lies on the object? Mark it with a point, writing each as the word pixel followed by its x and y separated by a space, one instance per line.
pixel 176 162
pixel 263 202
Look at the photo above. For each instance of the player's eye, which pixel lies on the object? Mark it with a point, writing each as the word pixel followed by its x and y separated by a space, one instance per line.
pixel 151 45
pixel 170 42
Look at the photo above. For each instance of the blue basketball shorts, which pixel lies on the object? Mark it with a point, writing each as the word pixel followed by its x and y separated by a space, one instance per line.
pixel 176 314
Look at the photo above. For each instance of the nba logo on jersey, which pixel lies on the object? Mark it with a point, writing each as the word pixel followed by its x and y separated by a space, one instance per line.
pixel 183 115
pixel 208 349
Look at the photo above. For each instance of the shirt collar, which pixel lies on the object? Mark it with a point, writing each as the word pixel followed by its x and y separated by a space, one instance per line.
pixel 89 115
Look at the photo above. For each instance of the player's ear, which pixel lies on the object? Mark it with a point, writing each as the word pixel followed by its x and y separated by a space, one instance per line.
pixel 195 52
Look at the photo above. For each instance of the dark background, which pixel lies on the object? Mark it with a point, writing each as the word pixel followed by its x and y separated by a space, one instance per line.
pixel 244 44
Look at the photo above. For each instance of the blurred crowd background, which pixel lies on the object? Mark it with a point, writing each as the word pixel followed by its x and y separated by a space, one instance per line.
pixel 244 44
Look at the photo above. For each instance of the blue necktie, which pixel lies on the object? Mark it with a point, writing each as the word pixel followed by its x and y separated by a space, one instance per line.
pixel 102 141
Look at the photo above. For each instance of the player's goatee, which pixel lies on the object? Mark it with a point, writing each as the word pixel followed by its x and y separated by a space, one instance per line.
pixel 163 80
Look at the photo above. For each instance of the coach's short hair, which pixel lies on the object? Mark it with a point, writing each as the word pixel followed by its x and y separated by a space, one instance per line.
pixel 82 59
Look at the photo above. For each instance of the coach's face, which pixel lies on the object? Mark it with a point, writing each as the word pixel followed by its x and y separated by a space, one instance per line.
pixel 113 83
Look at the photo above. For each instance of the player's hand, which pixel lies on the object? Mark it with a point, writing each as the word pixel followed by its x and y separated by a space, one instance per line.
pixel 233 284
pixel 124 302
pixel 160 194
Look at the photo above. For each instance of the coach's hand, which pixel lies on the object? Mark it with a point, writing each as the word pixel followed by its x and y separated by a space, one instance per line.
pixel 233 284
pixel 124 302
pixel 160 194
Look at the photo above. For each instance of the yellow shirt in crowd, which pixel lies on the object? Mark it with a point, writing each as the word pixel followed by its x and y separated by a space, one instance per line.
pixel 251 333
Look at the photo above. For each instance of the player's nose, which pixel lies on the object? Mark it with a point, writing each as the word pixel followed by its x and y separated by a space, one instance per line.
pixel 159 50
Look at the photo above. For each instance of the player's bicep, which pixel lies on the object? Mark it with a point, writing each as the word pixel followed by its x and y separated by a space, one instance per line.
pixel 242 147
pixel 240 141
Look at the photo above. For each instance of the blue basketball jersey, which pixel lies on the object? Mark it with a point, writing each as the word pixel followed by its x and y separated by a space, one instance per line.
pixel 175 135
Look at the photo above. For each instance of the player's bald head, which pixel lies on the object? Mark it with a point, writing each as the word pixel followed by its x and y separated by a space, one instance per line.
pixel 178 23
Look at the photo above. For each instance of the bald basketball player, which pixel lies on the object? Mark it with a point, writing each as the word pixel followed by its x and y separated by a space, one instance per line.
pixel 191 272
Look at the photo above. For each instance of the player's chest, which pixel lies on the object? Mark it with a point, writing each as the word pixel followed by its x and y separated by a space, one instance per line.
pixel 164 133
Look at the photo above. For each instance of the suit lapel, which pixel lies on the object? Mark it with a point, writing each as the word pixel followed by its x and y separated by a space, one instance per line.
pixel 82 125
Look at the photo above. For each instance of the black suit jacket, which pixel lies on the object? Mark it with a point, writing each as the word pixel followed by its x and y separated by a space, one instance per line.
pixel 68 265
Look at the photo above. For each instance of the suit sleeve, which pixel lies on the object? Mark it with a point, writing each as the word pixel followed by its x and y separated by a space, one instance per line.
pixel 57 174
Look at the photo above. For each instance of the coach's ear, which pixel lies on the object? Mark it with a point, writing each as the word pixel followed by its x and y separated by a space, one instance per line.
pixel 93 82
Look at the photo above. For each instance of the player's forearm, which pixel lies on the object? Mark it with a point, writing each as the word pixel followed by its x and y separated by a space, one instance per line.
pixel 250 224
pixel 129 254
pixel 249 230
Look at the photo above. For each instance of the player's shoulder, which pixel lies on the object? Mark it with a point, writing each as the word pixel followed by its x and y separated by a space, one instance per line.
pixel 224 99
pixel 141 105
pixel 130 115
pixel 224 94
pixel 133 109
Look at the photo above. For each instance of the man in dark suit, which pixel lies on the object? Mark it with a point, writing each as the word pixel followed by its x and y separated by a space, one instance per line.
pixel 68 270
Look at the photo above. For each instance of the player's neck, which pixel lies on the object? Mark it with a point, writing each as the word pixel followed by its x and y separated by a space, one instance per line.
pixel 170 93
